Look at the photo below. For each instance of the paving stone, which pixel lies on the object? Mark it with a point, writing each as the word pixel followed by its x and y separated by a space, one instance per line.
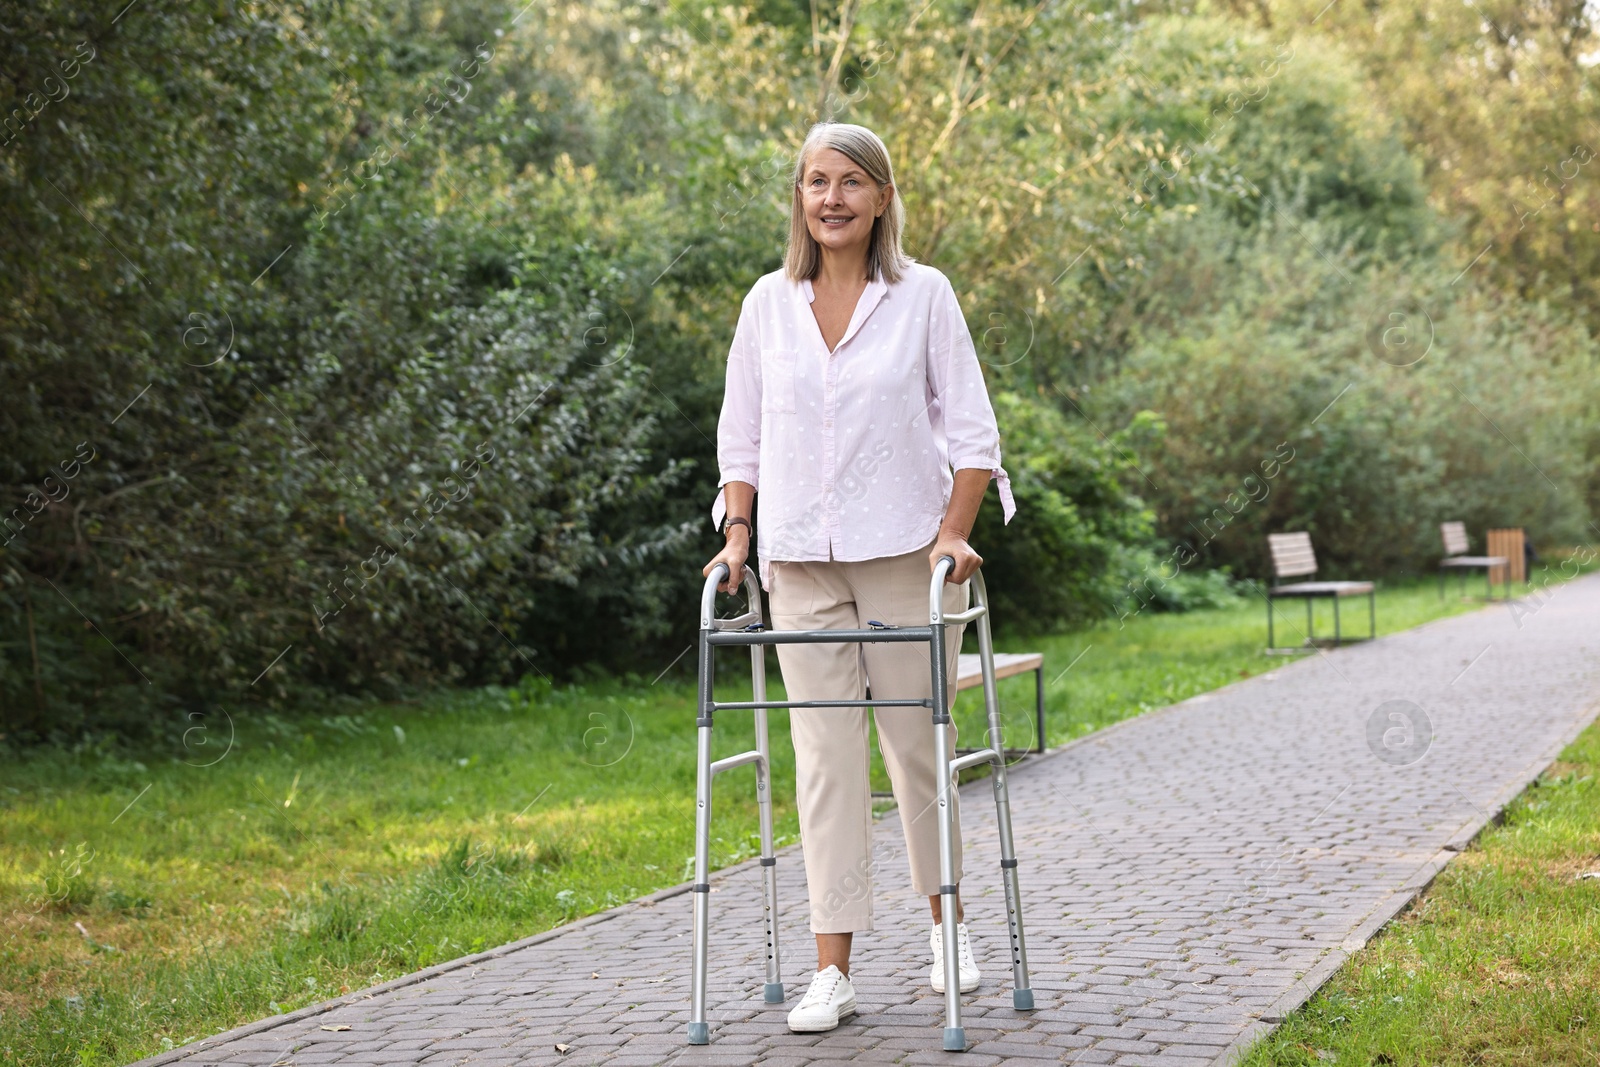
pixel 1091 1055
pixel 1011 1050
pixel 1180 873
pixel 1115 1044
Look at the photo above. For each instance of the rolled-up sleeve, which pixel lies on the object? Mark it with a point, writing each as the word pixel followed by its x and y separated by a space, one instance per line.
pixel 739 427
pixel 959 398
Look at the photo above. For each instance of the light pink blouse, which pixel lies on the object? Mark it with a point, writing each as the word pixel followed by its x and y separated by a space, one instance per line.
pixel 851 452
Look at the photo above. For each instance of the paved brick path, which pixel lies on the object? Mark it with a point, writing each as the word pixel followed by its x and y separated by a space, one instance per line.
pixel 1188 876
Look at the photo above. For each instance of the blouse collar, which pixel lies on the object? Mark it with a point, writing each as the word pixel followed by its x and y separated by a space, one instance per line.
pixel 874 292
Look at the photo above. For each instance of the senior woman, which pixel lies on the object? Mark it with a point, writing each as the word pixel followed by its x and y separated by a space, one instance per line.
pixel 853 392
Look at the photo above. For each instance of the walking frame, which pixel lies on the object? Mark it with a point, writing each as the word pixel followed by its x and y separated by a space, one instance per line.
pixel 749 630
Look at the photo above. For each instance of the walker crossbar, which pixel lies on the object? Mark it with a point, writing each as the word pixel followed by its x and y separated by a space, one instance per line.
pixel 750 705
pixel 887 634
pixel 972 759
pixel 737 761
pixel 748 630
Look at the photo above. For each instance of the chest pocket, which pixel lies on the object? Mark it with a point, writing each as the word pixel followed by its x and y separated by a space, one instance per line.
pixel 777 380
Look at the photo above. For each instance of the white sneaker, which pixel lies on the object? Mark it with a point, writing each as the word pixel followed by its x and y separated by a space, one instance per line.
pixel 829 999
pixel 966 965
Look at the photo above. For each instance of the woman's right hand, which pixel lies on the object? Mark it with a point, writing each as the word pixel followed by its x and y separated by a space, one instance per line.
pixel 734 554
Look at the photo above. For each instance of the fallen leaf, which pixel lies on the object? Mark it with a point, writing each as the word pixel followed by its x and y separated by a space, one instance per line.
pixel 595 975
pixel 335 1026
pixel 563 1049
pixel 1588 874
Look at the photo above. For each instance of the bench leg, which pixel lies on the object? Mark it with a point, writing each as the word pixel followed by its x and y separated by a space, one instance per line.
pixel 1270 645
pixel 1336 622
pixel 1311 626
pixel 1372 615
pixel 1038 707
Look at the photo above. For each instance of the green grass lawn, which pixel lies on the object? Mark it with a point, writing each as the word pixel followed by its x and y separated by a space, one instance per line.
pixel 148 899
pixel 1498 963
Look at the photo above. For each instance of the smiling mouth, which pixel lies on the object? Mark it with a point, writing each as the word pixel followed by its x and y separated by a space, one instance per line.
pixel 837 219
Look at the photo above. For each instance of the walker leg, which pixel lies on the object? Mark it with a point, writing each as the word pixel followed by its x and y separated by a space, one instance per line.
pixel 1022 991
pixel 955 1039
pixel 699 1030
pixel 772 992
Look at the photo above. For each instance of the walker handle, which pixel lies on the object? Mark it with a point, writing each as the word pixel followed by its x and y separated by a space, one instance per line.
pixel 708 593
pixel 941 571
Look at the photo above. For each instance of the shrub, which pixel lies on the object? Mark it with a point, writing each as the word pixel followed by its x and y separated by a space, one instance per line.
pixel 1061 558
pixel 1364 414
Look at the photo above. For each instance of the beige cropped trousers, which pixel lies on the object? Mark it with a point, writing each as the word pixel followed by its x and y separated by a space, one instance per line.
pixel 830 744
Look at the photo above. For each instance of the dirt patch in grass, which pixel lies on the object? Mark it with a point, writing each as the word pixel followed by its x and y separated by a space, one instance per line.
pixel 1572 868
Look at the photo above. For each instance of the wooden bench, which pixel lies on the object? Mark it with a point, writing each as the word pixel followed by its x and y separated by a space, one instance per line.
pixel 1293 557
pixel 969 675
pixel 1454 535
pixel 1512 543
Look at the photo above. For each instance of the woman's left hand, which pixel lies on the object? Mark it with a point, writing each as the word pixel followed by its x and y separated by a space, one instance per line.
pixel 955 546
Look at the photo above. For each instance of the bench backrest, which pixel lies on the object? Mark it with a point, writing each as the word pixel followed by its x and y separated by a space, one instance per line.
pixel 1292 555
pixel 1455 537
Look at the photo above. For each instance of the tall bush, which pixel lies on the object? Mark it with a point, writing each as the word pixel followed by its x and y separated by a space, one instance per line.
pixel 1065 556
pixel 1385 399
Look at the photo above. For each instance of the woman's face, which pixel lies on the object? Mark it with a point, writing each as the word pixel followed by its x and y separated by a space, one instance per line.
pixel 841 201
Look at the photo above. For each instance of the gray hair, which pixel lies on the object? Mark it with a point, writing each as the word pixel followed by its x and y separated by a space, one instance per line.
pixel 802 258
